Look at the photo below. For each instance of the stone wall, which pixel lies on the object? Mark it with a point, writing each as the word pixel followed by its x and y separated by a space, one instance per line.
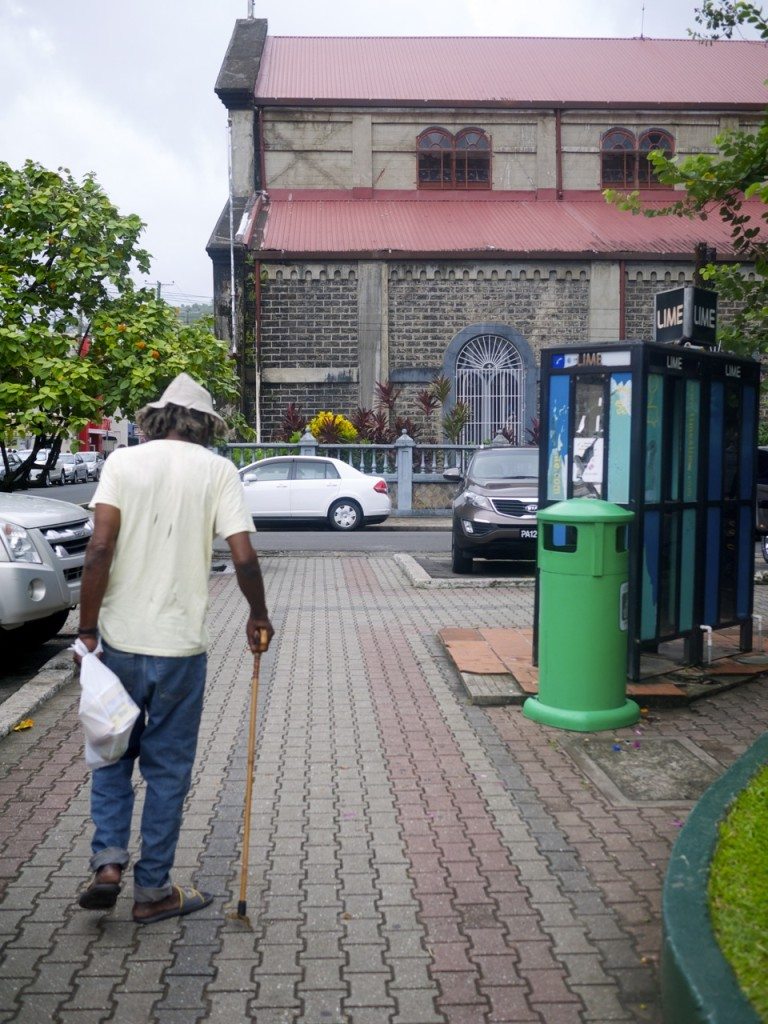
pixel 642 284
pixel 312 331
pixel 309 319
pixel 310 399
pixel 308 322
pixel 430 304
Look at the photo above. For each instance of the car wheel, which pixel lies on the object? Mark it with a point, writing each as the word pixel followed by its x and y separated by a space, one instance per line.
pixel 764 546
pixel 345 514
pixel 62 479
pixel 460 562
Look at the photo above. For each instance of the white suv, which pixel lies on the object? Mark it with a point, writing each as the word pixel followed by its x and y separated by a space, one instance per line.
pixel 42 549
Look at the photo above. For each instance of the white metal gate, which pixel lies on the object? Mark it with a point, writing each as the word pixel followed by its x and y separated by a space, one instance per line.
pixel 489 379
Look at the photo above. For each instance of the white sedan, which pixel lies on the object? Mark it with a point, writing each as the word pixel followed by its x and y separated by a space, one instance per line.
pixel 306 488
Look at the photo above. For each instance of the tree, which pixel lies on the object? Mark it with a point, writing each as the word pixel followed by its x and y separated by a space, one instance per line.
pixel 78 339
pixel 191 312
pixel 717 184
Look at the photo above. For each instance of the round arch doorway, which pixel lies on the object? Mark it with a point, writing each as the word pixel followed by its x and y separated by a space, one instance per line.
pixel 490 380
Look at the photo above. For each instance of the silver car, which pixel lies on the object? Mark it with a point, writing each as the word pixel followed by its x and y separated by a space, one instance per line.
pixel 42 548
pixel 93 463
pixel 71 468
pixel 55 474
pixel 494 513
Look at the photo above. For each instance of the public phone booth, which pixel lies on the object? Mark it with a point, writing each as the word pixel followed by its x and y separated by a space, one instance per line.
pixel 670 433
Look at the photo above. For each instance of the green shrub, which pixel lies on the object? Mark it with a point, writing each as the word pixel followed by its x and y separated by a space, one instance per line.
pixel 738 891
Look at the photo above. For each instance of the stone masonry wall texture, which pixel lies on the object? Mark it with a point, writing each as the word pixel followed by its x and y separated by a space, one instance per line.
pixel 428 308
pixel 310 318
pixel 309 322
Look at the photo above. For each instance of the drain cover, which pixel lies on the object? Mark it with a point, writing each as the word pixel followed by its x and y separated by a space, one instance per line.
pixel 645 770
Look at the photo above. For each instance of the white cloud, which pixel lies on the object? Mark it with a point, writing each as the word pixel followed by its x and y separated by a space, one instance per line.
pixel 653 18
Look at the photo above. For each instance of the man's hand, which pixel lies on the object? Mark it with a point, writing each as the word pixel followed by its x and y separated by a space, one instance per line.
pixel 259 633
pixel 91 642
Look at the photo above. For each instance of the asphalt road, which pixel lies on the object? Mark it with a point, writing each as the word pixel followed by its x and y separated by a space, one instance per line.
pixel 431 548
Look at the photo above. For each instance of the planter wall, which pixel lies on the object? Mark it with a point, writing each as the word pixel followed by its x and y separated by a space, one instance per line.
pixel 698 983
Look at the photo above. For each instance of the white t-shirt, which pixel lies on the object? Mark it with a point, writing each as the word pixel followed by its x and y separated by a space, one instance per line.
pixel 173 497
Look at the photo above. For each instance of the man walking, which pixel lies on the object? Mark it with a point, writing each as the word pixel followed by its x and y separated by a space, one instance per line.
pixel 157 508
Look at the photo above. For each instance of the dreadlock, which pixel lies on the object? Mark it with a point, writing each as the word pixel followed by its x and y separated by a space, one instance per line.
pixel 194 426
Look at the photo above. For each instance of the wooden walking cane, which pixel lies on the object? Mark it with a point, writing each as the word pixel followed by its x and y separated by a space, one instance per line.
pixel 241 906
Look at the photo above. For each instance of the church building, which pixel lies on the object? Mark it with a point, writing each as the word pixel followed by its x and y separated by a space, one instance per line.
pixel 407 207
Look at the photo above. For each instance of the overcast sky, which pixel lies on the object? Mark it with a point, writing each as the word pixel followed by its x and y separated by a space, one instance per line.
pixel 126 90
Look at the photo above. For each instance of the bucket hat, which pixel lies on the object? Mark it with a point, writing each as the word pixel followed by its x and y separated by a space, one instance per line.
pixel 188 394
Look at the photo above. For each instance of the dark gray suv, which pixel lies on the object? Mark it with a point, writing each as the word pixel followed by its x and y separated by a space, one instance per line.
pixel 494 513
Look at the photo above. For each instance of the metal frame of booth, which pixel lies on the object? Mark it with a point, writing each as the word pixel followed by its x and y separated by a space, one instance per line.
pixel 669 432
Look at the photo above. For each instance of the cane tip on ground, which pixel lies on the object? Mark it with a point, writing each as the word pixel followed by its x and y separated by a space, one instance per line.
pixel 239 916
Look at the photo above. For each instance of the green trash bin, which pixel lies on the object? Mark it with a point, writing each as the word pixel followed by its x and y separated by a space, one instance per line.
pixel 583 590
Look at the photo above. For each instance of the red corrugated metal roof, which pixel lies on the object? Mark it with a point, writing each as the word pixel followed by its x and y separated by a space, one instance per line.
pixel 455 228
pixel 513 71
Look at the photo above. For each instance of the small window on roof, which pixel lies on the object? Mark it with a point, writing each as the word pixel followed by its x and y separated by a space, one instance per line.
pixel 448 161
pixel 652 139
pixel 435 159
pixel 472 159
pixel 618 159
pixel 624 159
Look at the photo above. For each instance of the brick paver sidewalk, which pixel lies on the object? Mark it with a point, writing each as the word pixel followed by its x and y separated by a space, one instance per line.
pixel 414 859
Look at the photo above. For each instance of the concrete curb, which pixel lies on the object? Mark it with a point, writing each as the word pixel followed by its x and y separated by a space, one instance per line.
pixel 54 676
pixel 420 578
pixel 698 985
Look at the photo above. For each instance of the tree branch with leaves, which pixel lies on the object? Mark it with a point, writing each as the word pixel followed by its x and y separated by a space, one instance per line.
pixel 78 339
pixel 717 185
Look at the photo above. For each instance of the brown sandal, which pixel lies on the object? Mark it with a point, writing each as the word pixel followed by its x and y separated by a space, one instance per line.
pixel 102 893
pixel 189 900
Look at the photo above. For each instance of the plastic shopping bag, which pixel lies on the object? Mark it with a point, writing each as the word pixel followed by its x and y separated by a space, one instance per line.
pixel 106 712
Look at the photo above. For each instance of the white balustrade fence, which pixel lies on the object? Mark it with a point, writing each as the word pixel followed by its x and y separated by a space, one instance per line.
pixel 403 463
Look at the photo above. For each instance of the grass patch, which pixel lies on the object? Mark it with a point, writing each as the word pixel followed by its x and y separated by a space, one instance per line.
pixel 738 891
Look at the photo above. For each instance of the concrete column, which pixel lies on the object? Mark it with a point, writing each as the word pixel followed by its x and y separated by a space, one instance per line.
pixel 546 155
pixel 372 328
pixel 404 448
pixel 604 293
pixel 362 151
pixel 243 156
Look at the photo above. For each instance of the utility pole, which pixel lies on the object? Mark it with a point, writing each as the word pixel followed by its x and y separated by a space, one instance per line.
pixel 159 285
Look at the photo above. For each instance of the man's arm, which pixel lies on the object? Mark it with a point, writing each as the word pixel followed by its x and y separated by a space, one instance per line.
pixel 250 581
pixel 98 562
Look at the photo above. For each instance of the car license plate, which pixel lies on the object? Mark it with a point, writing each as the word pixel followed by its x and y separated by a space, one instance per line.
pixel 529 534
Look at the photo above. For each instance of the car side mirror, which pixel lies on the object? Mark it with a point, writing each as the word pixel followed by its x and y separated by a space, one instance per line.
pixel 453 474
pixel 250 478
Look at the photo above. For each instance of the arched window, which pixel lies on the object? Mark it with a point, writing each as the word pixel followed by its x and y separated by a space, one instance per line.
pixel 472 160
pixel 445 161
pixel 617 157
pixel 652 139
pixel 435 158
pixel 624 160
pixel 489 379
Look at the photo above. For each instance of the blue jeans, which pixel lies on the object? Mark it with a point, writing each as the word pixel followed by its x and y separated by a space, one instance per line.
pixel 169 694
